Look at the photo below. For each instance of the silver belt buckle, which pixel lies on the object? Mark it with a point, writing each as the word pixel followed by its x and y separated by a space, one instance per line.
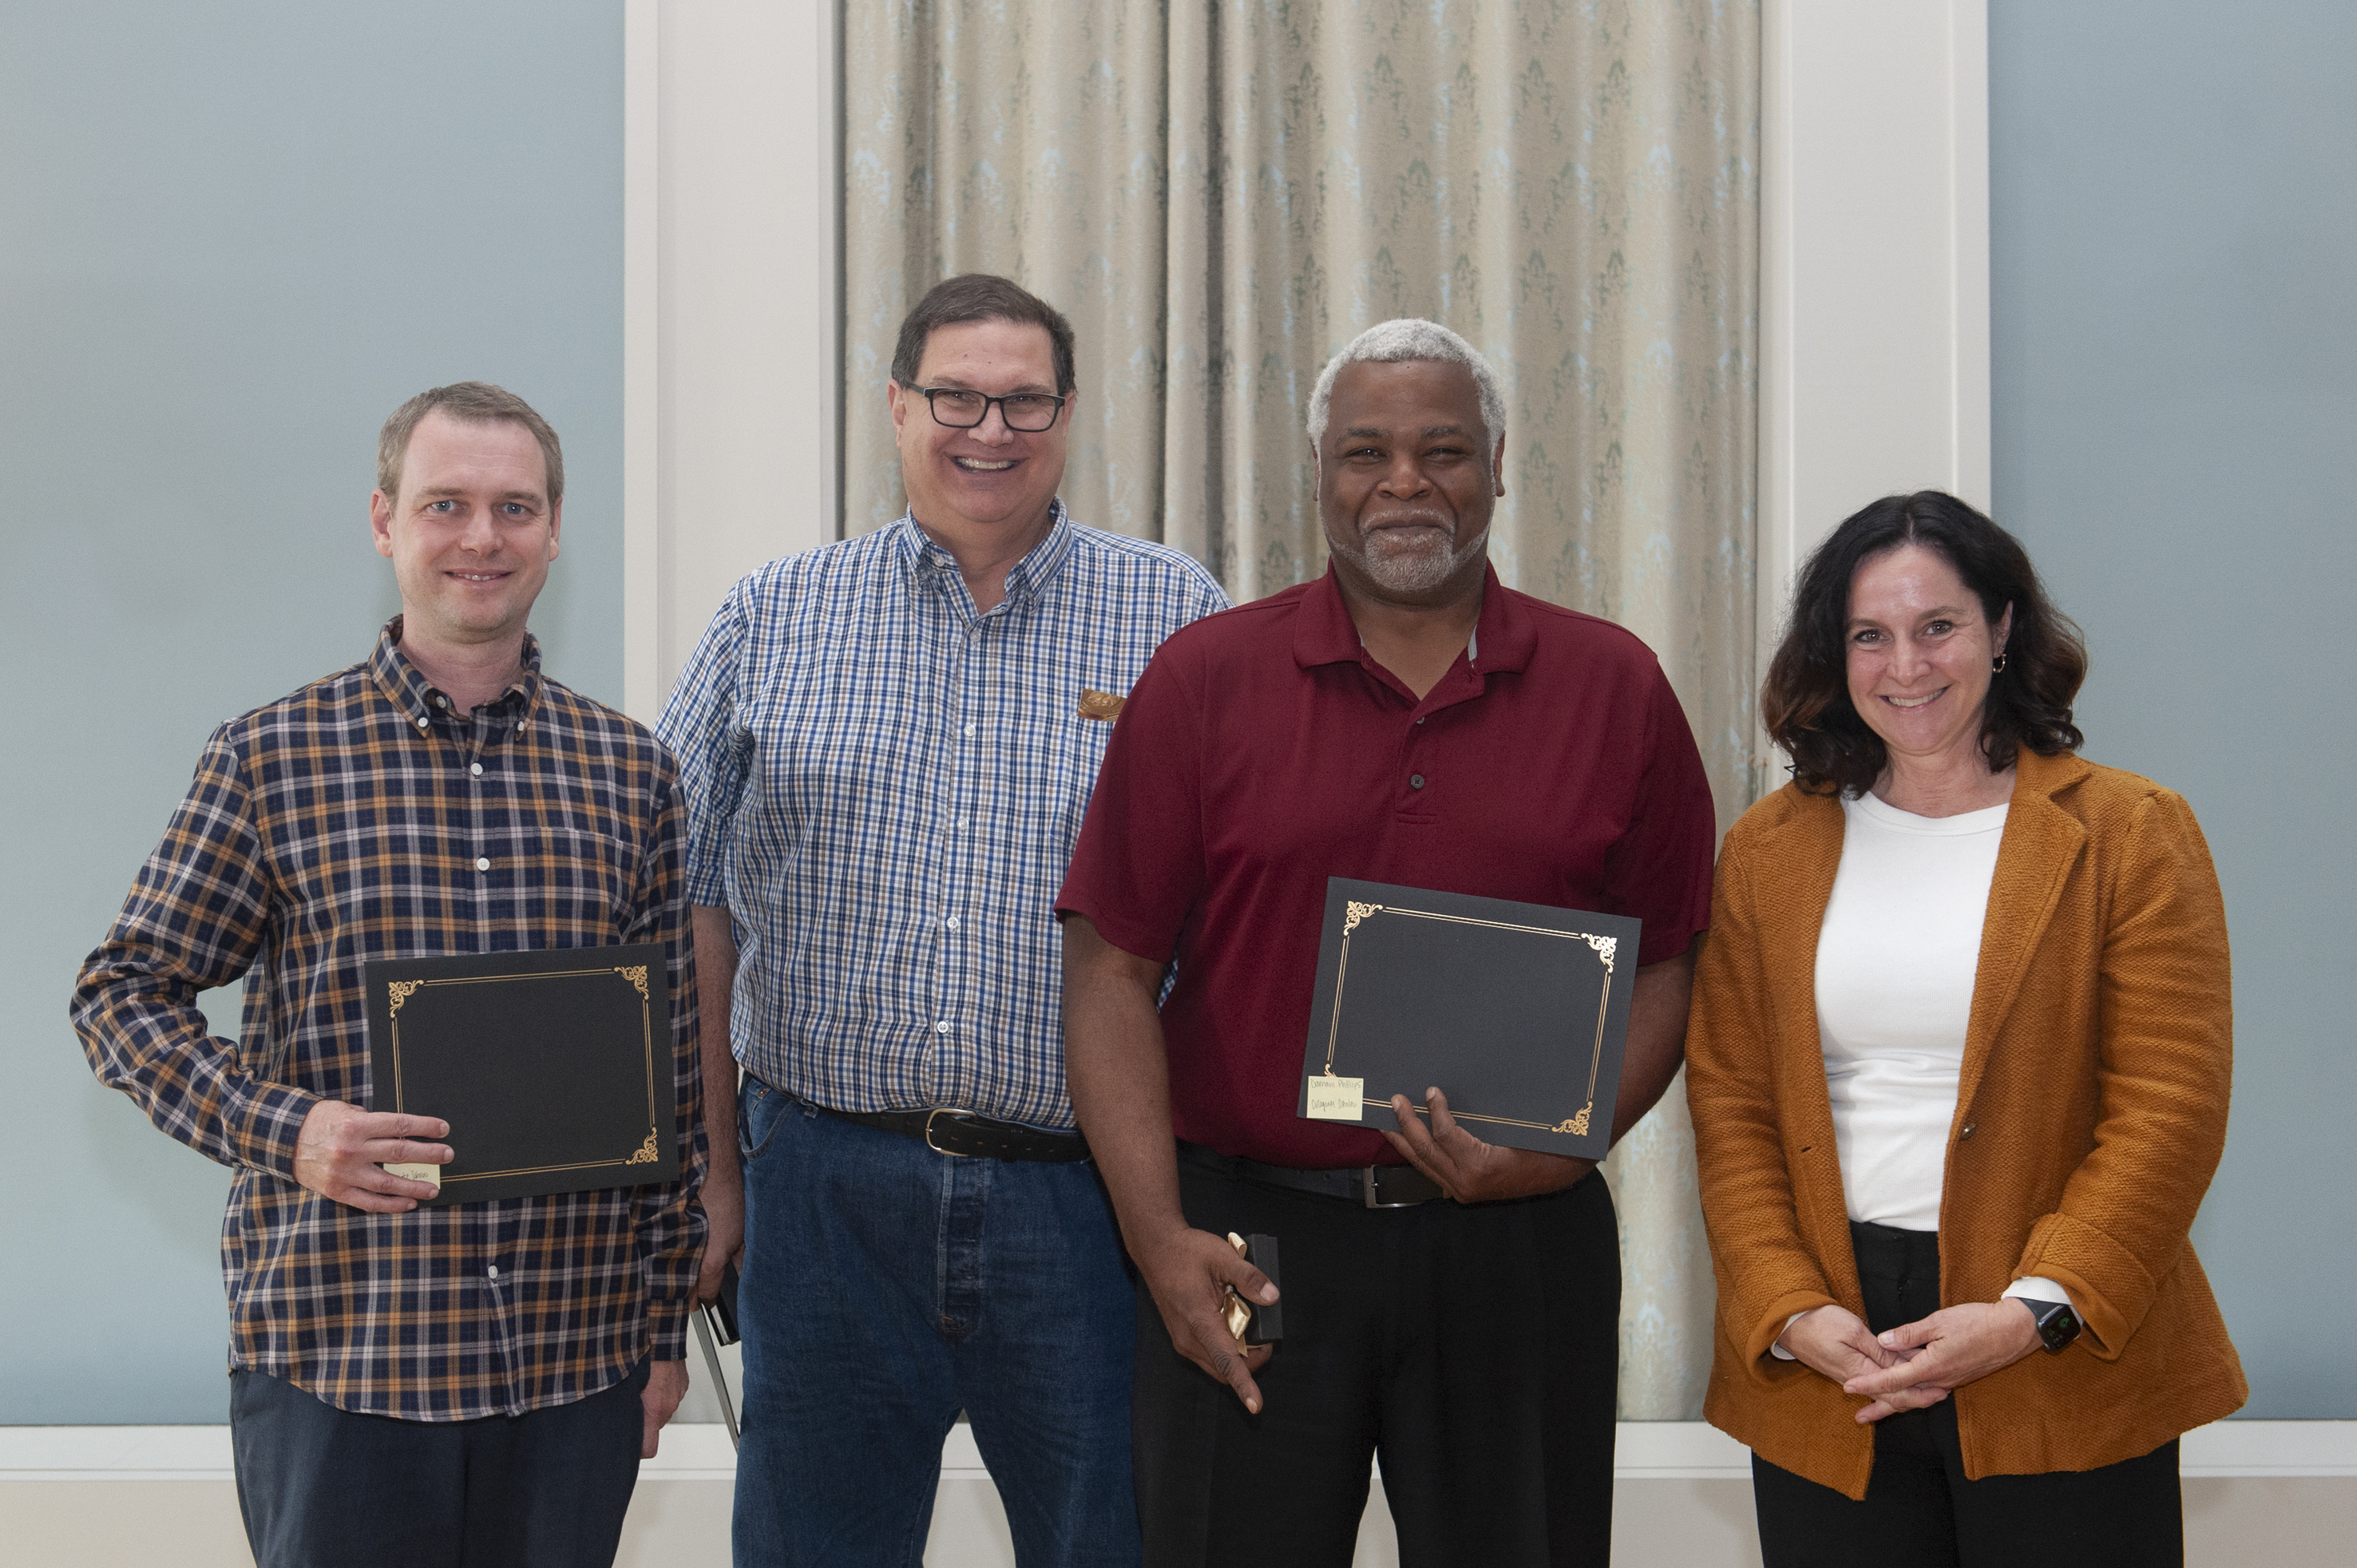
pixel 940 1111
pixel 1368 1190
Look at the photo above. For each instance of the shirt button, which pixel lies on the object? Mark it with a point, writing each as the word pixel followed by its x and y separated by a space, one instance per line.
pixel 495 1271
pixel 440 701
pixel 952 922
pixel 965 822
pixel 969 730
pixel 1415 780
pixel 423 723
pixel 476 768
pixel 483 865
pixel 1965 1130
pixel 942 1027
pixel 1420 718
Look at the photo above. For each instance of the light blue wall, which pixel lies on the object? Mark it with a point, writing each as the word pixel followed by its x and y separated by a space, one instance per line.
pixel 234 236
pixel 2174 214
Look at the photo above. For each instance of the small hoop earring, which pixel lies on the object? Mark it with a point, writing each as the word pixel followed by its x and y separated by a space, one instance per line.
pixel 1997 665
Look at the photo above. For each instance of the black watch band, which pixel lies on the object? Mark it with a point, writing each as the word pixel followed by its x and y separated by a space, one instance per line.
pixel 2057 1323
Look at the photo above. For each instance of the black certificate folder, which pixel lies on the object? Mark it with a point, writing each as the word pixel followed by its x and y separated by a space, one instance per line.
pixel 553 1066
pixel 1518 1013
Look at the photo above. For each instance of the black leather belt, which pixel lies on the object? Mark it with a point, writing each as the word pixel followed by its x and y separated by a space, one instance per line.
pixel 966 1135
pixel 1370 1187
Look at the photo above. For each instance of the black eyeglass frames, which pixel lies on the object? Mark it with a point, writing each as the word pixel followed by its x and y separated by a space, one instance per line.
pixel 961 408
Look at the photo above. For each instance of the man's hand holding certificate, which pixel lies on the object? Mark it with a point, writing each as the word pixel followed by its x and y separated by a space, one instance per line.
pixel 538 1066
pixel 1468 1169
pixel 365 1158
pixel 1522 1010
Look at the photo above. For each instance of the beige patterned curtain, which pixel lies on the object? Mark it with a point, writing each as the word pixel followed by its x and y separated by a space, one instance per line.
pixel 1221 193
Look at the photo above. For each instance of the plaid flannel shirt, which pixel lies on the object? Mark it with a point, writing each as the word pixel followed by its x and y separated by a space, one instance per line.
pixel 364 817
pixel 883 786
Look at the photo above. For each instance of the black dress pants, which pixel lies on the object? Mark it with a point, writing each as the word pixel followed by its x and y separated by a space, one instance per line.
pixel 322 1488
pixel 1921 1512
pixel 1473 1350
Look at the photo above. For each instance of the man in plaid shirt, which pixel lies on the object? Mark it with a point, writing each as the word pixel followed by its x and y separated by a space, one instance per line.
pixel 887 745
pixel 475 1382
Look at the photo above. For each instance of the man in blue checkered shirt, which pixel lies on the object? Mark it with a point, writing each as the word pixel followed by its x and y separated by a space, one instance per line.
pixel 887 747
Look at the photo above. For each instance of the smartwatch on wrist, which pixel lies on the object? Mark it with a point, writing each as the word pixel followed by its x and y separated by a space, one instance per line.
pixel 2057 1323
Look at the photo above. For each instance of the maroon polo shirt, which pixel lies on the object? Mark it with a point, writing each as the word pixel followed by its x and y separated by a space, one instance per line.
pixel 1263 751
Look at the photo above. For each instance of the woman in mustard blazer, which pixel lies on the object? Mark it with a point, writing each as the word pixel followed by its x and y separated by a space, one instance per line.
pixel 1958 1064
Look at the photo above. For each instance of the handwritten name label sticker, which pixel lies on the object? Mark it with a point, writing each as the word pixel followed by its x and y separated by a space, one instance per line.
pixel 1337 1098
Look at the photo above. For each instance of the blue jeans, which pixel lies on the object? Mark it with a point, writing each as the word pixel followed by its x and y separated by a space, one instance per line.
pixel 887 1287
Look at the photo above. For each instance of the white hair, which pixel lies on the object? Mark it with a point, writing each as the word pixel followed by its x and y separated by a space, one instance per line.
pixel 1410 338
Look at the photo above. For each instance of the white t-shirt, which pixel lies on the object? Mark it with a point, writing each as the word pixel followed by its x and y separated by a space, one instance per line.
pixel 1896 957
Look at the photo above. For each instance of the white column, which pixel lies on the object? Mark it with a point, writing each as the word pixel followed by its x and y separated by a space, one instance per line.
pixel 731 285
pixel 1873 331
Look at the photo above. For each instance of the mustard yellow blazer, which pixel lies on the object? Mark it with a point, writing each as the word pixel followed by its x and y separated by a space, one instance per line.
pixel 2089 1119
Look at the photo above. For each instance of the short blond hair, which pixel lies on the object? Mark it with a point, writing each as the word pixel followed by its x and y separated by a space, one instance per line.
pixel 470 402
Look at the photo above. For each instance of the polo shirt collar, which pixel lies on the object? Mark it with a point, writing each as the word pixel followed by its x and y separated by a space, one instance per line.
pixel 1324 633
pixel 921 555
pixel 418 699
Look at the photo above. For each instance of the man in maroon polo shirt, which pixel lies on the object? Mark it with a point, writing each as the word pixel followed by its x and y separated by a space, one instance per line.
pixel 1451 1304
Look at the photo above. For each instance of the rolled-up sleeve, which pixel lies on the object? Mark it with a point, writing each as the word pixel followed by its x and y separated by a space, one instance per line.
pixel 2165 1070
pixel 700 726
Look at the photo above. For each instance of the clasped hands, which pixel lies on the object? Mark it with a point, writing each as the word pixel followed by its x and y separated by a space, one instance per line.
pixel 1915 1364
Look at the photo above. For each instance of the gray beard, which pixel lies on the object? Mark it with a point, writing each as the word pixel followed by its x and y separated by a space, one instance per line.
pixel 1418 570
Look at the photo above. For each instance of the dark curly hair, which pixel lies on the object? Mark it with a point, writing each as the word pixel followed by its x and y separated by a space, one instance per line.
pixel 1805 701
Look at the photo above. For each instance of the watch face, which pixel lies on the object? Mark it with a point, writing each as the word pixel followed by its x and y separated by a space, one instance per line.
pixel 2058 1326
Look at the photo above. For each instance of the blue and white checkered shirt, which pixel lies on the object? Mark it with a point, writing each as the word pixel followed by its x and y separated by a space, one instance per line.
pixel 883 786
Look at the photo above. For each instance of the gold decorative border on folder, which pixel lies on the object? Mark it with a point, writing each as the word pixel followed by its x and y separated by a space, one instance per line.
pixel 1355 914
pixel 400 991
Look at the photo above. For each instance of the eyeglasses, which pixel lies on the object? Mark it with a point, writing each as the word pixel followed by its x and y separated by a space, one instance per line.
pixel 963 410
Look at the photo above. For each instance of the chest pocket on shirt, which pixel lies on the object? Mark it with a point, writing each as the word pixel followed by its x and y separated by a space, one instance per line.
pixel 1079 747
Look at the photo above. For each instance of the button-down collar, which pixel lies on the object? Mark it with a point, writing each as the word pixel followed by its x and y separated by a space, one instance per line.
pixel 923 554
pixel 420 700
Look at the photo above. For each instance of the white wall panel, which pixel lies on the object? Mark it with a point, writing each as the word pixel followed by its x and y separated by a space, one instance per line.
pixel 730 309
pixel 1873 327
